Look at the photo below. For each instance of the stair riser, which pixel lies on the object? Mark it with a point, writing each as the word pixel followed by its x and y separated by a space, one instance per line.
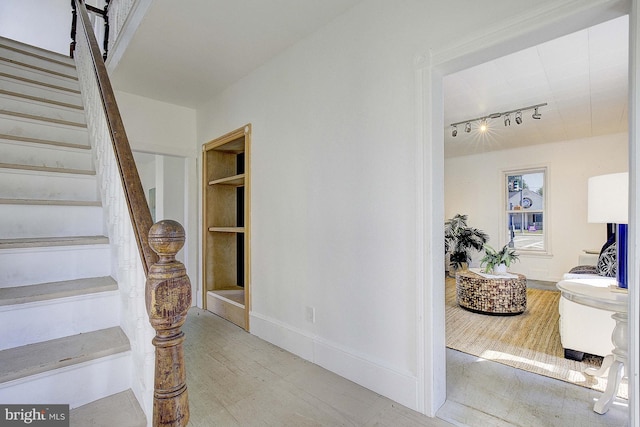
pixel 12 55
pixel 35 154
pixel 18 184
pixel 29 128
pixel 41 109
pixel 39 76
pixel 30 323
pixel 20 221
pixel 36 50
pixel 19 267
pixel 74 385
pixel 30 89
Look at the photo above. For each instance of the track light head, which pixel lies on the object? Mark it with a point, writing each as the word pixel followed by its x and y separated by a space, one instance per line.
pixel 535 114
pixel 483 125
pixel 519 117
pixel 454 131
pixel 467 127
pixel 507 119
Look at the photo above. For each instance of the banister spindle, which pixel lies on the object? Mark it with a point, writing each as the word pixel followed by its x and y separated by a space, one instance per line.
pixel 168 298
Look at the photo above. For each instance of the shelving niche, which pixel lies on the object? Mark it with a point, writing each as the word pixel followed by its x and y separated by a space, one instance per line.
pixel 226 237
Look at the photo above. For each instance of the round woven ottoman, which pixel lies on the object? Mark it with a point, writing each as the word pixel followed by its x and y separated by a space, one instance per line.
pixel 497 296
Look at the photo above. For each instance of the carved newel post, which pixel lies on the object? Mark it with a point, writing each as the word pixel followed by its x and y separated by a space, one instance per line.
pixel 168 298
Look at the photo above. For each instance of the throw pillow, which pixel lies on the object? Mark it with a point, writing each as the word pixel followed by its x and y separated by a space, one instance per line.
pixel 584 269
pixel 607 262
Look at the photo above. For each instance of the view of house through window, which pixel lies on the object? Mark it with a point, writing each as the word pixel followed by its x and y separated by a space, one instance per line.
pixel 526 209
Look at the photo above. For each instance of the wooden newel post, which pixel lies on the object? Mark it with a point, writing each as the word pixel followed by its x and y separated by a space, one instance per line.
pixel 168 298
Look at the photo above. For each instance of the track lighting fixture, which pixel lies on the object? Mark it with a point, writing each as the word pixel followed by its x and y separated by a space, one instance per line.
pixel 484 120
pixel 536 115
pixel 519 117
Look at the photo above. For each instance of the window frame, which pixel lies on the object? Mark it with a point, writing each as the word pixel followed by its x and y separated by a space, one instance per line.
pixel 506 212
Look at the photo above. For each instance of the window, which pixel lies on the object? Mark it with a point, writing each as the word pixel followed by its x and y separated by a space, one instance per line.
pixel 525 209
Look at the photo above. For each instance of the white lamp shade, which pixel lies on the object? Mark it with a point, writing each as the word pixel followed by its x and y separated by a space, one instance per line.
pixel 608 199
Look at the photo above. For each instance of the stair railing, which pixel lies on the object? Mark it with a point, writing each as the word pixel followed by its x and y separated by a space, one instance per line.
pixel 102 13
pixel 143 249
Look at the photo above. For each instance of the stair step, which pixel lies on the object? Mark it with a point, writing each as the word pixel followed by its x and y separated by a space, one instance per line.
pixel 43 142
pixel 50 220
pixel 53 290
pixel 47 183
pixel 121 409
pixel 46 88
pixel 37 52
pixel 36 358
pixel 47 169
pixel 50 202
pixel 38 109
pixel 41 99
pixel 78 306
pixel 25 72
pixel 36 117
pixel 45 242
pixel 37 62
pixel 35 154
pixel 26 126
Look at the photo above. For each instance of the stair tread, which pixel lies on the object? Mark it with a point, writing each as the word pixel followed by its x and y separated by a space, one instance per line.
pixel 40 69
pixel 36 358
pixel 39 83
pixel 47 169
pixel 44 141
pixel 120 409
pixel 50 202
pixel 40 99
pixel 43 119
pixel 36 51
pixel 39 242
pixel 53 290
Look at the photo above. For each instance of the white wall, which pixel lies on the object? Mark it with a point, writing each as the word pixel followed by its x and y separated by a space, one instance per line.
pixel 474 186
pixel 45 24
pixel 334 186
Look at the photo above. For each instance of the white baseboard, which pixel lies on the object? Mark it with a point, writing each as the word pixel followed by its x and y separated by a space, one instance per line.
pixel 401 387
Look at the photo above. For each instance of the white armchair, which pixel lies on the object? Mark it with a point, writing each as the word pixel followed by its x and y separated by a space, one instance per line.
pixel 584 329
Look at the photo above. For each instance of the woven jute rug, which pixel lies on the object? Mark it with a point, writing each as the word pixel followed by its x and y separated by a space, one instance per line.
pixel 529 341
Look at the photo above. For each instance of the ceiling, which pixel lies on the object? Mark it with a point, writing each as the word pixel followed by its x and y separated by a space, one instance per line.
pixel 213 43
pixel 582 77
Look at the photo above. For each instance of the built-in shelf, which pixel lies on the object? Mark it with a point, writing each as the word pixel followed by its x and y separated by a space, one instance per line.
pixel 227 229
pixel 235 181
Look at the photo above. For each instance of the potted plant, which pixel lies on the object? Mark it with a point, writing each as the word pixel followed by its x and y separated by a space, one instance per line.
pixel 460 240
pixel 498 261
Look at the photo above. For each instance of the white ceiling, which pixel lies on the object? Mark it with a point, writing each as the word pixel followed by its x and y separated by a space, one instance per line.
pixel 211 44
pixel 582 77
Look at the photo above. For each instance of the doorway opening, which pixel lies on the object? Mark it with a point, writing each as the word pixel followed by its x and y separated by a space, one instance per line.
pixel 447 62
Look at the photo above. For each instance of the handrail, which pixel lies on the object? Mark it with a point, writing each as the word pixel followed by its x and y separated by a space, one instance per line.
pixel 134 193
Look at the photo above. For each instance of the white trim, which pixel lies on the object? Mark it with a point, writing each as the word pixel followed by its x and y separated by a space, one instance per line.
pixel 633 365
pixel 128 30
pixel 375 375
pixel 533 27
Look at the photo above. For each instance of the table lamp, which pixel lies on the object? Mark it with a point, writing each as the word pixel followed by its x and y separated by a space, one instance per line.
pixel 608 202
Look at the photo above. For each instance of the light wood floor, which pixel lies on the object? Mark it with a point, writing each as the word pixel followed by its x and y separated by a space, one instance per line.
pixel 236 379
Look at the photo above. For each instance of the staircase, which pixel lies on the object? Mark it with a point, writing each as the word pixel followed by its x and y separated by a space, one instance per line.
pixel 60 339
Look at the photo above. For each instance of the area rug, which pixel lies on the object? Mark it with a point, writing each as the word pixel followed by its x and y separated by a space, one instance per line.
pixel 529 341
